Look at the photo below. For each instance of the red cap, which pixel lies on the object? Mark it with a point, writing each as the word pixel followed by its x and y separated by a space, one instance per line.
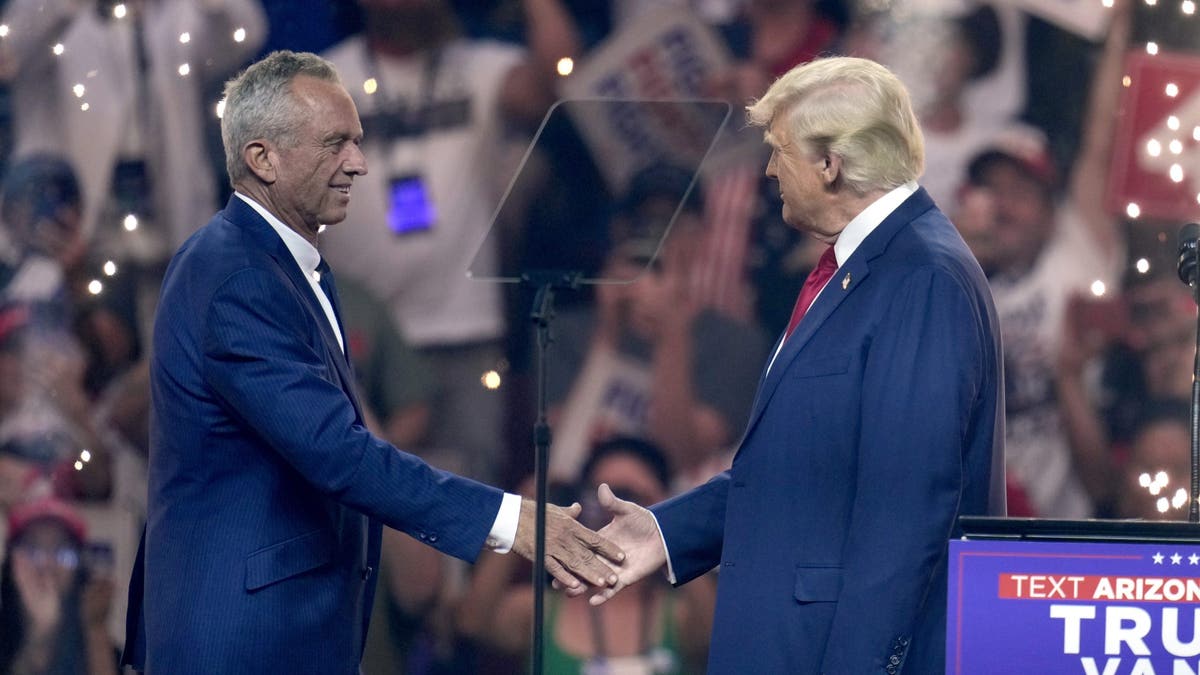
pixel 22 515
pixel 1023 145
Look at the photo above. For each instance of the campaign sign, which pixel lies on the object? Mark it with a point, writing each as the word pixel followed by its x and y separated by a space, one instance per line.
pixel 1073 607
pixel 1156 151
pixel 666 55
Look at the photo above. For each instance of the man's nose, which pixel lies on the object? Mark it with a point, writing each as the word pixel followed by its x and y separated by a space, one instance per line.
pixel 356 162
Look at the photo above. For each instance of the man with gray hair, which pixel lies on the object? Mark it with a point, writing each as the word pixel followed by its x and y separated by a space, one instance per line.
pixel 878 419
pixel 267 492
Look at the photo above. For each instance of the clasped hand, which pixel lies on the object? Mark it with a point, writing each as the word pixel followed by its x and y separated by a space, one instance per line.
pixel 633 532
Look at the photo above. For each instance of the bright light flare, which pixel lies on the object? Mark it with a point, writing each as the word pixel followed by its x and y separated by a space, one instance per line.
pixel 491 380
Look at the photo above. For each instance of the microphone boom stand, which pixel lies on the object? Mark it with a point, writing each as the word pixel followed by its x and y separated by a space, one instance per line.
pixel 1189 235
pixel 545 283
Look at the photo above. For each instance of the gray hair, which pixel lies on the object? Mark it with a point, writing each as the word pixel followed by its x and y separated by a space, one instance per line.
pixel 853 108
pixel 259 104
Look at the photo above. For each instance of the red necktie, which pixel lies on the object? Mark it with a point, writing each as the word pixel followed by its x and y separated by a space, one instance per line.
pixel 816 280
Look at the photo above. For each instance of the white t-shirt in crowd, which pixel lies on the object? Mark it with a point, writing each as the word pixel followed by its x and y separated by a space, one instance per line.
pixel 1032 309
pixel 422 276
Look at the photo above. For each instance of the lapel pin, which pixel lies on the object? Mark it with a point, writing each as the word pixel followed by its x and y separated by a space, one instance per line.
pixel 846 281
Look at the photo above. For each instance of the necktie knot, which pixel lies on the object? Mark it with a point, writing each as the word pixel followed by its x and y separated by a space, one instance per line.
pixel 826 264
pixel 816 280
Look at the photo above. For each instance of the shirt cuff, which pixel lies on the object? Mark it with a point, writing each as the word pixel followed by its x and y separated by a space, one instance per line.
pixel 666 551
pixel 504 528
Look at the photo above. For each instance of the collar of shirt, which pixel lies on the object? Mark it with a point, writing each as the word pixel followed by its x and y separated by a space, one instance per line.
pixel 865 223
pixel 306 255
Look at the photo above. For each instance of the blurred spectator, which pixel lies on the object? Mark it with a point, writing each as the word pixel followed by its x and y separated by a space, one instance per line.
pixel 1145 341
pixel 49 407
pixel 435 108
pixel 43 265
pixel 1038 253
pixel 69 352
pixel 649 360
pixel 954 133
pixel 914 38
pixel 648 629
pixel 397 383
pixel 770 37
pixel 52 611
pixel 1160 455
pixel 117 90
pixel 41 243
pixel 766 38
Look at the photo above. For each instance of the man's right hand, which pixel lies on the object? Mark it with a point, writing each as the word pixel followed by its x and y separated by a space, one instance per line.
pixel 635 530
pixel 571 548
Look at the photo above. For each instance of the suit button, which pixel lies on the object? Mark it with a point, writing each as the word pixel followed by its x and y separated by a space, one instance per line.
pixel 891 670
pixel 432 538
pixel 894 661
pixel 421 536
pixel 903 642
pixel 366 573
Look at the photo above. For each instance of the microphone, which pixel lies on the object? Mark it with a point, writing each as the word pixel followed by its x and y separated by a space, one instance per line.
pixel 1188 236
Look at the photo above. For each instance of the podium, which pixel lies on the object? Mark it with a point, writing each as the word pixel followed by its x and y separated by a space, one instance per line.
pixel 1059 596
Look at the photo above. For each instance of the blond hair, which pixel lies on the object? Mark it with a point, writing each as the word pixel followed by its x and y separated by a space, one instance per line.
pixel 853 108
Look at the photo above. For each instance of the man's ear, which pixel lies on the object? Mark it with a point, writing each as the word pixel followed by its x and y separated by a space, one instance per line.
pixel 261 159
pixel 832 169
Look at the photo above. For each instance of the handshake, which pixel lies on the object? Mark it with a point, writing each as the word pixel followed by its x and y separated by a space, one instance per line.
pixel 621 553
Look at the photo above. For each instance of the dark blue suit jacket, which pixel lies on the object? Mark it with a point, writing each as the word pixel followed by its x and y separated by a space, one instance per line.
pixel 879 423
pixel 266 490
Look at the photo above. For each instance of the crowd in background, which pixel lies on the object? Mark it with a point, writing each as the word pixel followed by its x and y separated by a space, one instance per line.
pixel 111 157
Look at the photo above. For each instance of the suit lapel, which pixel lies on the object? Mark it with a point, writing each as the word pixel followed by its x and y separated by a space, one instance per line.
pixel 239 212
pixel 844 282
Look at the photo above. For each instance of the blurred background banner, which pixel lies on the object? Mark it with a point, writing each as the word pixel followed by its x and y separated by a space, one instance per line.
pixel 1087 18
pixel 1156 167
pixel 665 54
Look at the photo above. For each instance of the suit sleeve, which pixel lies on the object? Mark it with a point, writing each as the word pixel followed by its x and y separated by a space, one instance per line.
pixel 259 359
pixel 693 526
pixel 922 379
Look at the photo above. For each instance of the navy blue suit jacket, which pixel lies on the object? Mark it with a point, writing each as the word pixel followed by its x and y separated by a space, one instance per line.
pixel 879 423
pixel 266 490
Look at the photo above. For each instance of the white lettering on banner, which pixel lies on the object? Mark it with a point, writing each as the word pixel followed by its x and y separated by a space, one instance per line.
pixel 1115 631
pixel 1142 666
pixel 1136 589
pixel 1072 615
pixel 1126 630
pixel 1170 634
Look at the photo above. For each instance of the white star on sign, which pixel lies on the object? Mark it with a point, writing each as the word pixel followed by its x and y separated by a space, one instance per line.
pixel 1194 559
pixel 1158 558
pixel 1176 558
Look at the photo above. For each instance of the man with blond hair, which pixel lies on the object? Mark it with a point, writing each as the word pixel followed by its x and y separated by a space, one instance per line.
pixel 878 419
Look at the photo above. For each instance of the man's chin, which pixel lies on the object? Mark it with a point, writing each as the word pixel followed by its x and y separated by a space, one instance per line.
pixel 330 218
